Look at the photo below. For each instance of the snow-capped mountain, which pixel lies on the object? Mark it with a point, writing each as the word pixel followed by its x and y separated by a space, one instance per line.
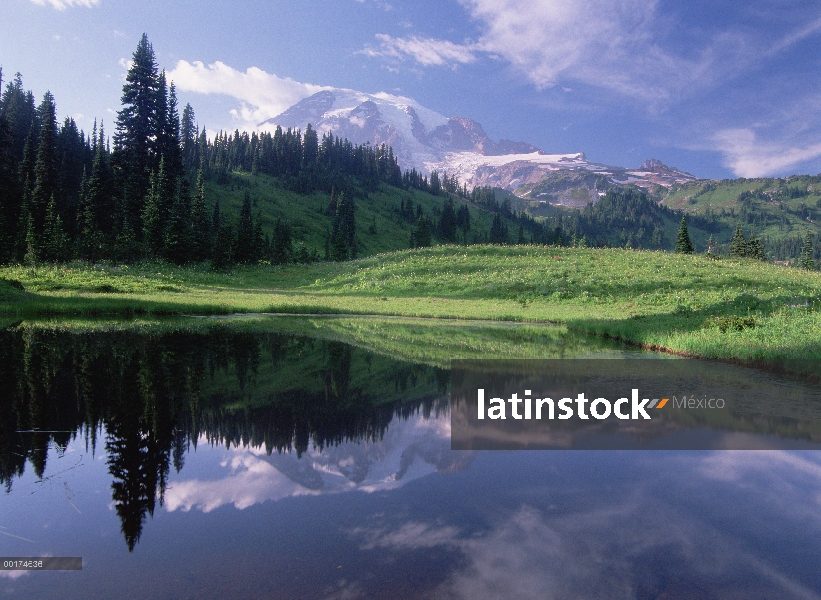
pixel 426 140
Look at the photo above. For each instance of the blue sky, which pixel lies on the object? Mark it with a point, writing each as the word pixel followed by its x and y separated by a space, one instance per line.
pixel 720 89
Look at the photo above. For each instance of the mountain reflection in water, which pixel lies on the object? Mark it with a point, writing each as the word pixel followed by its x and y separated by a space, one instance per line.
pixel 155 396
pixel 241 464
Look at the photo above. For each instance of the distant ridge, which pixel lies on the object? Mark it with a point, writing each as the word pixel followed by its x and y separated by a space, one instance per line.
pixel 425 140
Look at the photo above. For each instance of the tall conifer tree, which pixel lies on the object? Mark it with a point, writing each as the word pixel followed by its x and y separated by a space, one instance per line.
pixel 136 130
pixel 683 243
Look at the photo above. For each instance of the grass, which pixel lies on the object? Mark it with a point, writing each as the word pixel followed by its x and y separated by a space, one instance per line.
pixel 379 227
pixel 664 301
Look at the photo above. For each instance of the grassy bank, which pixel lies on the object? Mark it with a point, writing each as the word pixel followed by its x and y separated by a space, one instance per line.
pixel 688 304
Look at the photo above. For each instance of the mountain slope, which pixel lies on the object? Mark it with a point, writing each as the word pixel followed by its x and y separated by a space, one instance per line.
pixel 426 141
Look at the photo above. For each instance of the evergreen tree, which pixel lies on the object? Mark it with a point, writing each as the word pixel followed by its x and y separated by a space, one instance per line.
pixel 807 261
pixel 54 239
pixel 216 223
pixel 343 229
pixel 45 168
pixel 137 131
pixel 244 248
pixel 738 246
pixel 96 211
pixel 755 248
pixel 498 231
pixel 281 249
pixel 421 233
pixel 178 238
pixel 9 192
pixel 199 223
pixel 223 253
pixel 435 184
pixel 463 220
pixel 448 221
pixel 711 245
pixel 188 138
pixel 152 216
pixel 683 243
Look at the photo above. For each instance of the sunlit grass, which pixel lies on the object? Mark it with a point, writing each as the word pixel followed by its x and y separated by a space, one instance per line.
pixel 649 298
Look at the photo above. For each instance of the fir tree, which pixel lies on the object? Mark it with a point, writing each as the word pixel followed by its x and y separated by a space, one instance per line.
pixel 448 221
pixel 54 238
pixel 137 130
pixel 463 220
pixel 188 138
pixel 498 231
pixel 152 216
pixel 755 248
pixel 244 248
pixel 223 253
pixel 199 223
pixel 178 232
pixel 807 261
pixel 421 233
pixel 683 243
pixel 281 245
pixel 45 168
pixel 738 246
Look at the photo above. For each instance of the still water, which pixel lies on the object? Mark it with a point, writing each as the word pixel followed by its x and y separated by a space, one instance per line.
pixel 311 459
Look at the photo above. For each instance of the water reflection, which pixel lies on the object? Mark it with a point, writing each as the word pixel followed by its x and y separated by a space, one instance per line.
pixel 154 396
pixel 171 440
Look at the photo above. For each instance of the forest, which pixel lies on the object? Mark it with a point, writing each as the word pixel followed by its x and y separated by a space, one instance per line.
pixel 141 195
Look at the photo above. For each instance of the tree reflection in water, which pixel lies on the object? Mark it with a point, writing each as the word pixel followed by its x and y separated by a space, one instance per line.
pixel 153 396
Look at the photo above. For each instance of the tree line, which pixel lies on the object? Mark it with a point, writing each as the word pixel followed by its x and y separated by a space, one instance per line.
pixel 65 194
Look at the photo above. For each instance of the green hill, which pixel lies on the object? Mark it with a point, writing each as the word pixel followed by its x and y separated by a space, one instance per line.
pixel 781 211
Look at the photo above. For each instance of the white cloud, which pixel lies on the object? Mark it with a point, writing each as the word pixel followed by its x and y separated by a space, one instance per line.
pixel 64 4
pixel 748 156
pixel 599 42
pixel 262 95
pixel 425 51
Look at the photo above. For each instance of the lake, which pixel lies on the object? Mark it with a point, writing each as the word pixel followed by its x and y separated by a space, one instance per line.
pixel 311 458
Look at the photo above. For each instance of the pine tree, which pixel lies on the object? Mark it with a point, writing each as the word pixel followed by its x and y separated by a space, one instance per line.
pixel 54 238
pixel 738 246
pixel 137 132
pixel 755 248
pixel 498 231
pixel 463 220
pixel 244 248
pixel 199 223
pixel 448 221
pixel 807 261
pixel 281 245
pixel 96 211
pixel 188 138
pixel 683 243
pixel 178 230
pixel 45 168
pixel 152 217
pixel 223 253
pixel 421 233
pixel 216 223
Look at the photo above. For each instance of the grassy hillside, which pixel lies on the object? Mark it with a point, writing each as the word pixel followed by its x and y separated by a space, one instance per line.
pixel 689 304
pixel 777 210
pixel 379 225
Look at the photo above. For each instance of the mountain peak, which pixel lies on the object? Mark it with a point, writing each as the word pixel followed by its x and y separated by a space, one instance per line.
pixel 426 141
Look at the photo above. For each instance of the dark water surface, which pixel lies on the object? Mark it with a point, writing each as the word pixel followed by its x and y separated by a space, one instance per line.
pixel 239 463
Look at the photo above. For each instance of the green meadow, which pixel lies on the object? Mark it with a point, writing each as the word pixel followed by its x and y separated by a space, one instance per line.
pixel 690 305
